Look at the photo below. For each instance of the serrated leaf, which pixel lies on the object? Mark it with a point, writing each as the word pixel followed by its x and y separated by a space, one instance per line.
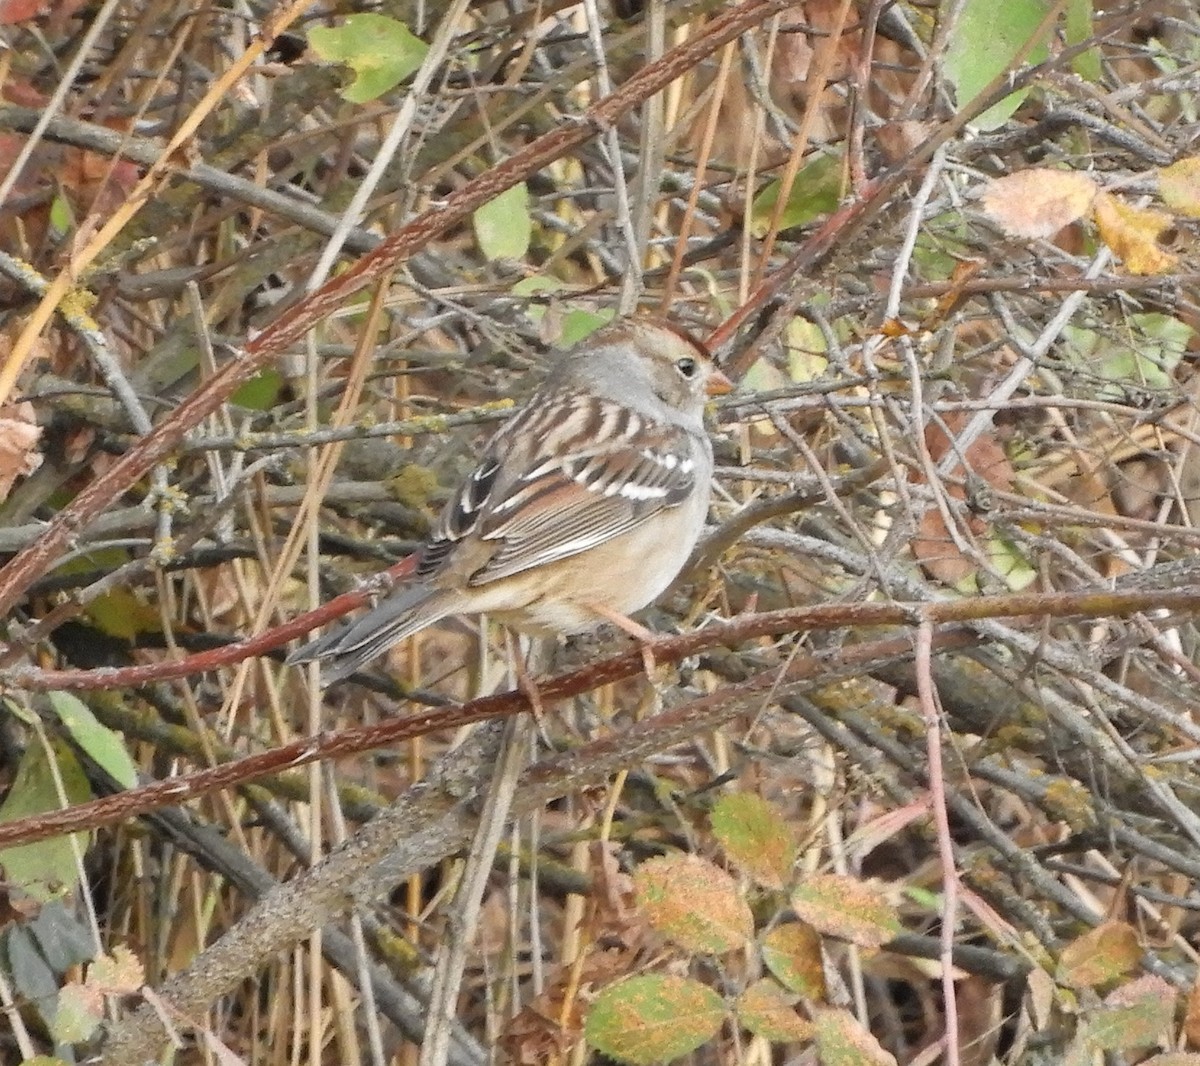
pixel 1100 956
pixel 844 1042
pixel 792 952
pixel 847 908
pixel 985 42
pixel 1179 186
pixel 651 1018
pixel 47 869
pixel 696 904
pixel 1134 1015
pixel 100 742
pixel 503 226
pixel 1132 233
pixel 756 836
pixel 381 51
pixel 769 1011
pixel 1038 202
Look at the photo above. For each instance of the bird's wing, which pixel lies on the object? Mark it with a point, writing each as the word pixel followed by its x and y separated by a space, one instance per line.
pixel 560 479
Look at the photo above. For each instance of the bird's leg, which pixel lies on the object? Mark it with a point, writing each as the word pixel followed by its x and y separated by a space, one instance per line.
pixel 645 638
pixel 518 651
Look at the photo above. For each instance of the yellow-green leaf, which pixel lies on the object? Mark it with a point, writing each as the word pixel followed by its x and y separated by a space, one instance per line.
pixel 381 51
pixel 45 870
pixel 652 1018
pixel 100 742
pixel 985 42
pixel 1179 186
pixel 755 836
pixel 503 227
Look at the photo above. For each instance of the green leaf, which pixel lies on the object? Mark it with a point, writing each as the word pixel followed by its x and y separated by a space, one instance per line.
pixel 261 392
pixel 696 904
pixel 816 191
pixel 653 1018
pixel 62 219
pixel 984 43
pixel 121 613
pixel 45 870
pixel 503 227
pixel 756 837
pixel 579 324
pixel 1078 26
pixel 100 742
pixel 381 51
pixel 1144 358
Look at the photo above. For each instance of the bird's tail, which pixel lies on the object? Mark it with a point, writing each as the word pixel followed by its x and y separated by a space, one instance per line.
pixel 395 617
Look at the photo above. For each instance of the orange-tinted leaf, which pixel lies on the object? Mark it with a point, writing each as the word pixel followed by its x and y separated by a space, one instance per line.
pixel 1179 186
pixel 792 952
pixel 769 1011
pixel 846 908
pixel 653 1018
pixel 1038 203
pixel 696 904
pixel 1100 956
pixel 1132 233
pixel 844 1042
pixel 755 836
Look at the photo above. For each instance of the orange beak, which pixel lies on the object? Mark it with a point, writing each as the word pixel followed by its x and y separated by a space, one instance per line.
pixel 718 384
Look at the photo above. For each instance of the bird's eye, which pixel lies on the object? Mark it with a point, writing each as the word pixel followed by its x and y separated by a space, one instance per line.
pixel 687 366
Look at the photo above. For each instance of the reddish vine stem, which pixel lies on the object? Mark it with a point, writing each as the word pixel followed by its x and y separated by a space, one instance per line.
pixel 617 668
pixel 31 562
pixel 669 649
pixel 346 742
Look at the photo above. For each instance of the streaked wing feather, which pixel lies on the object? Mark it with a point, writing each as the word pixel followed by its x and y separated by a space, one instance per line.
pixel 565 476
